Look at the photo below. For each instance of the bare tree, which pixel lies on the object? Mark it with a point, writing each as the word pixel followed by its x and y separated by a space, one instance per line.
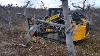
pixel 83 5
pixel 68 30
pixel 24 7
pixel 43 5
pixel 85 9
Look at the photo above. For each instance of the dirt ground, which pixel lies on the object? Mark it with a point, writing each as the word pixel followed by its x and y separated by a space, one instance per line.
pixel 11 44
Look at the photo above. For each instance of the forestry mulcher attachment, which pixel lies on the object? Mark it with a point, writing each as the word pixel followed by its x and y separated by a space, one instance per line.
pixel 53 25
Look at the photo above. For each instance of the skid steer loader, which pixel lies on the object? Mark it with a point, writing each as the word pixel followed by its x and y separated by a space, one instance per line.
pixel 46 29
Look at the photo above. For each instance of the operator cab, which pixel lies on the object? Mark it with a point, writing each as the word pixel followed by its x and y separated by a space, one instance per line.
pixel 77 17
pixel 54 11
pixel 55 15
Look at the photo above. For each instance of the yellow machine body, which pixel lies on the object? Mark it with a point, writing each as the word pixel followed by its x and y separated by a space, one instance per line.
pixel 53 17
pixel 50 19
pixel 80 30
pixel 49 30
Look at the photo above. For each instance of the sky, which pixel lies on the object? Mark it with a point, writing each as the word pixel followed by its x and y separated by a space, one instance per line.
pixel 49 3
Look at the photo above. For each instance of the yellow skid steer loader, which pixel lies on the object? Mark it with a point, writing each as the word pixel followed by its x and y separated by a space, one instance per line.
pixel 79 24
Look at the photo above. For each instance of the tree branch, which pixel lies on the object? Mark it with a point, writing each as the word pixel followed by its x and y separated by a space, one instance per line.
pixel 76 6
pixel 84 4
